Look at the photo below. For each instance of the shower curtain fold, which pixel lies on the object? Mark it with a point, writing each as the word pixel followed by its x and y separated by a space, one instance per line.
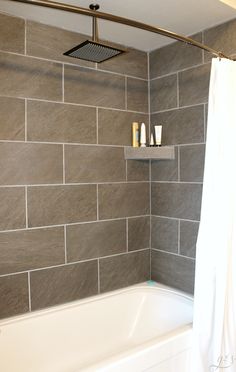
pixel 214 326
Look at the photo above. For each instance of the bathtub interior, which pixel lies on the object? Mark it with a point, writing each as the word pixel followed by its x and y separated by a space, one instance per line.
pixel 70 337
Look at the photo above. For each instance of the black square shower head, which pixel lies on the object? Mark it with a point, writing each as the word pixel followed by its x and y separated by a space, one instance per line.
pixel 93 51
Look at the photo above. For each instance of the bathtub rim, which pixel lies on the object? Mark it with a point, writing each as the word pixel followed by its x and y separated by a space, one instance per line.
pixel 148 285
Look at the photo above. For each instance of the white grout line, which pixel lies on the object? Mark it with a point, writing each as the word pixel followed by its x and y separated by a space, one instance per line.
pixel 191 144
pixel 62 143
pixel 25 40
pixel 89 144
pixel 57 61
pixel 26 208
pixel 97 139
pixel 26 114
pixel 29 291
pixel 126 93
pixel 77 104
pixel 178 236
pixel 180 182
pixel 79 184
pixel 71 224
pixel 124 74
pixel 63 165
pixel 181 70
pixel 177 87
pixel 97 202
pixel 65 243
pixel 175 218
pixel 63 83
pixel 99 284
pixel 127 235
pixel 75 262
pixel 204 123
pixel 174 254
pixel 178 108
pixel 150 263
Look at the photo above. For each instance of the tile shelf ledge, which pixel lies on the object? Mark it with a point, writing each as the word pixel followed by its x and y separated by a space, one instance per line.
pixel 146 153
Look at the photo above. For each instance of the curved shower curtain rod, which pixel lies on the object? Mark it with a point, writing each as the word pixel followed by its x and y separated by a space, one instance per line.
pixel 124 21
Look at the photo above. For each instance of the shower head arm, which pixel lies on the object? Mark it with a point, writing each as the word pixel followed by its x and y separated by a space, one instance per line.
pixel 125 21
pixel 94 7
pixel 95 30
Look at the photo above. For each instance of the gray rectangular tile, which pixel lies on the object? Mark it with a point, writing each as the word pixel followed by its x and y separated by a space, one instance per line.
pixel 163 93
pixel 165 170
pixel 192 163
pixel 29 77
pixel 164 234
pixel 124 270
pixel 173 270
pixel 14 295
pixel 188 238
pixel 114 127
pixel 51 42
pixel 12 211
pixel 181 126
pixel 12 34
pixel 31 249
pixel 133 63
pixel 63 284
pixel 94 164
pixel 92 240
pixel 95 88
pixel 222 38
pixel 26 163
pixel 57 122
pixel 12 119
pixel 178 200
pixel 137 95
pixel 137 170
pixel 194 85
pixel 54 205
pixel 174 57
pixel 123 200
pixel 138 233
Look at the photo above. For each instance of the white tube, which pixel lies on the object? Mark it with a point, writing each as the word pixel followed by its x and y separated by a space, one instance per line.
pixel 158 133
pixel 143 135
pixel 152 140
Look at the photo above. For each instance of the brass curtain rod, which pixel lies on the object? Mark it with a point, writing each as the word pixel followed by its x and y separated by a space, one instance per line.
pixel 124 21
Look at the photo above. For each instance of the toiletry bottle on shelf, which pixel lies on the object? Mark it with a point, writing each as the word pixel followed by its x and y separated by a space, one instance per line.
pixel 151 140
pixel 143 135
pixel 158 134
pixel 135 134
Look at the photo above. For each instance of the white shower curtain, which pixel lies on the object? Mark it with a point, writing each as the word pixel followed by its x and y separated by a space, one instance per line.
pixel 214 329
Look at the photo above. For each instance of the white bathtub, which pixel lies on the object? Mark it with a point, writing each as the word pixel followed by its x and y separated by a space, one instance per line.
pixel 139 328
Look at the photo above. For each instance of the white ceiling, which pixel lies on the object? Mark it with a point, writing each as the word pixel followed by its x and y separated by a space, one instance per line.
pixel 185 17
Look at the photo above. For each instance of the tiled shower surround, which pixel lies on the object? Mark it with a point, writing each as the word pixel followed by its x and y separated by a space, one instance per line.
pixel 179 83
pixel 75 216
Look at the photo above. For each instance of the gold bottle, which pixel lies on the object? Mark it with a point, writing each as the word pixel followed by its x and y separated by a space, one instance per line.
pixel 135 134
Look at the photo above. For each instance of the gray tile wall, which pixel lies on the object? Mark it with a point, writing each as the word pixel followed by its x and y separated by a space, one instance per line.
pixel 74 216
pixel 179 81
